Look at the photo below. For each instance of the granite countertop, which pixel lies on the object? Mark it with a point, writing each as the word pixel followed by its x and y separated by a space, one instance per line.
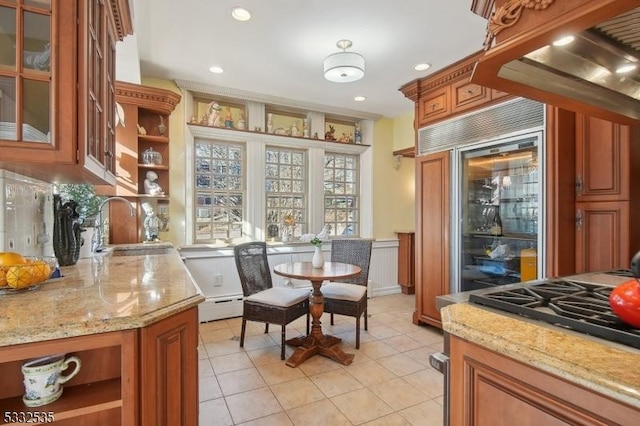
pixel 106 292
pixel 607 368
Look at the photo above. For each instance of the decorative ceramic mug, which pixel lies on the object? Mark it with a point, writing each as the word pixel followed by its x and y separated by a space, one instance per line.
pixel 43 378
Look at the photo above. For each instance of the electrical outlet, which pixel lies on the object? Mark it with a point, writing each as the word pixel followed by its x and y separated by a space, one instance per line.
pixel 217 280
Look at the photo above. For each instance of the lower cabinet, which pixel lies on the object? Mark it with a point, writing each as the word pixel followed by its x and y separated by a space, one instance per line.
pixel 144 377
pixel 491 389
pixel 168 371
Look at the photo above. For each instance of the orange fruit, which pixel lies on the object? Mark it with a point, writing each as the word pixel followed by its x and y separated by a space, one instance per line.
pixel 20 276
pixel 9 258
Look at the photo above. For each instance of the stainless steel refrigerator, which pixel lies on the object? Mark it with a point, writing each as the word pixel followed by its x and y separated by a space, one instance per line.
pixel 499 212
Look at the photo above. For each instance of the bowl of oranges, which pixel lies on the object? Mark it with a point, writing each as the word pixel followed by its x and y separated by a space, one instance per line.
pixel 22 273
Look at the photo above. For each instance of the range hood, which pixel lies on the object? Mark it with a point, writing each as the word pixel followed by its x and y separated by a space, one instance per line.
pixel 579 76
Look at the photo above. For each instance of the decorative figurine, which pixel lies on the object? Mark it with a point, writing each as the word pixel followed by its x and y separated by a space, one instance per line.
pixel 228 118
pixel 213 114
pixel 294 129
pixel 330 135
pixel 151 186
pixel 241 122
pixel 151 223
pixel 161 127
pixel 141 130
pixel 358 134
pixel 305 128
pixel 269 122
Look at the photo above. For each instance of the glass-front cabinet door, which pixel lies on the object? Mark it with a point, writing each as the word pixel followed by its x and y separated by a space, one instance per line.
pixel 25 71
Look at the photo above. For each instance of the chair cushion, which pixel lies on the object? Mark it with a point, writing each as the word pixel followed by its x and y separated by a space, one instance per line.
pixel 280 296
pixel 343 291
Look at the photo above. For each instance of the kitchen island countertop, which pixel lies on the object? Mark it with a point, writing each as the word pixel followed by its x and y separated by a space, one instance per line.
pixel 102 293
pixel 609 369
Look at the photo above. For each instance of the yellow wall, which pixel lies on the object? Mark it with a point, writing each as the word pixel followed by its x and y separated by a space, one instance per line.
pixel 393 188
pixel 393 184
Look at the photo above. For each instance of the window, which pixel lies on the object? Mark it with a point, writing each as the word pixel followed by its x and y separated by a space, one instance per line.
pixel 286 190
pixel 341 201
pixel 219 190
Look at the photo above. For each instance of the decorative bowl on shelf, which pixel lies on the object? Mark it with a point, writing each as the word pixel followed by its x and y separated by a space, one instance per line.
pixel 26 276
pixel 151 157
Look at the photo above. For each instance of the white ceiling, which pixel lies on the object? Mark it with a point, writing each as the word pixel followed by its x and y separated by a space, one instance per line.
pixel 280 51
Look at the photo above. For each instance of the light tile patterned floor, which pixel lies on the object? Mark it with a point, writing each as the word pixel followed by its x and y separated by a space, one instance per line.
pixel 389 383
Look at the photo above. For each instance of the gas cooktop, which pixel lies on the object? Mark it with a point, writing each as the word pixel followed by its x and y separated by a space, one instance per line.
pixel 578 306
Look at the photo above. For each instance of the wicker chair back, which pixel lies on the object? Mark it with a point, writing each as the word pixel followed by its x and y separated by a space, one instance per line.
pixel 355 252
pixel 253 267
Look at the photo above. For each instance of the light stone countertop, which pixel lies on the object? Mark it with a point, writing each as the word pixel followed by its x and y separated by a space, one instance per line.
pixel 100 294
pixel 609 369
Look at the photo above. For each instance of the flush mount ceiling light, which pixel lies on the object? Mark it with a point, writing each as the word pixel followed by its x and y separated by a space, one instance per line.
pixel 216 70
pixel 359 99
pixel 240 14
pixel 422 67
pixel 344 67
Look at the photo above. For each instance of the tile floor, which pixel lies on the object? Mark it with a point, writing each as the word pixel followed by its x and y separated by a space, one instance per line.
pixel 389 382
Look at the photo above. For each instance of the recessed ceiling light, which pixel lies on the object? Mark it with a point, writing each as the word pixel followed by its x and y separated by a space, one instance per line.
pixel 422 67
pixel 359 98
pixel 240 14
pixel 216 70
pixel 563 41
pixel 624 68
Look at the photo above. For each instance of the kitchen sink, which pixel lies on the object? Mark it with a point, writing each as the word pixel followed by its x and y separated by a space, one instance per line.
pixel 140 249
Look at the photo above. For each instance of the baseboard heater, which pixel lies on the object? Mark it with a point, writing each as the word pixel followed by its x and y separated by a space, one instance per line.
pixel 217 308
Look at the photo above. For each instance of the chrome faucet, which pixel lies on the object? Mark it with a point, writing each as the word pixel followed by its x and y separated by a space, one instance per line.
pixel 97 241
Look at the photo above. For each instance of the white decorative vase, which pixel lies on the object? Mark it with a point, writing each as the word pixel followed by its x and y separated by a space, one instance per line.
pixel 318 258
pixel 270 122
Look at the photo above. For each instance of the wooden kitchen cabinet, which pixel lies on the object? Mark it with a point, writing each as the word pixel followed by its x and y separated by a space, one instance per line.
pixel 169 371
pixel 448 93
pixel 607 165
pixel 146 376
pixel 602 236
pixel 104 392
pixel 432 235
pixel 487 388
pixel 57 121
pixel 406 262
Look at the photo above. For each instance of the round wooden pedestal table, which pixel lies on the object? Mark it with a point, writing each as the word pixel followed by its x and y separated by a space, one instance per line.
pixel 317 342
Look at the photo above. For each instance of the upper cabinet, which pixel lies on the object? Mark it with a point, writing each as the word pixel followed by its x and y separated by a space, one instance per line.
pixel 57 87
pixel 449 92
pixel 582 75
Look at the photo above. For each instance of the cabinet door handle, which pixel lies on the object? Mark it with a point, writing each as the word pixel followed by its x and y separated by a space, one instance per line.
pixel 579 220
pixel 108 154
pixel 579 186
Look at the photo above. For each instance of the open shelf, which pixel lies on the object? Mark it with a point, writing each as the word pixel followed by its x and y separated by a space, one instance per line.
pixel 75 402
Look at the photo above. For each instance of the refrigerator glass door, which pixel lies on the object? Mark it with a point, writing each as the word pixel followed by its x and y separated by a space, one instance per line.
pixel 499 211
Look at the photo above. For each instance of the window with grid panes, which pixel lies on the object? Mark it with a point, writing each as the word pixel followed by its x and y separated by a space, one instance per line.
pixel 341 200
pixel 219 190
pixel 286 191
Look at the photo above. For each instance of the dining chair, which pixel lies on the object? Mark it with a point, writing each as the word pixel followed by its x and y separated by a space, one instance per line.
pixel 263 302
pixel 349 296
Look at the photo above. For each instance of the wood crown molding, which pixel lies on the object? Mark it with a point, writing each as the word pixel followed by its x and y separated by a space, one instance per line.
pixel 161 100
pixel 509 14
pixel 444 77
pixel 122 17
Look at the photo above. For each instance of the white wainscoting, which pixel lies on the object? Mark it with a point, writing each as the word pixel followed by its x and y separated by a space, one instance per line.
pixel 214 270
